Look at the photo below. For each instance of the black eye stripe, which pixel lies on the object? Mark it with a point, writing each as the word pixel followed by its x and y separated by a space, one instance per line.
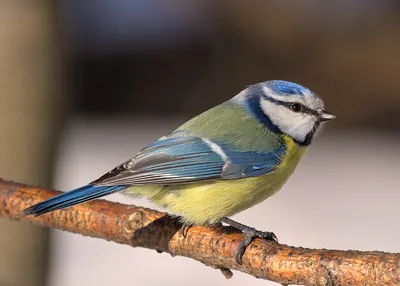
pixel 305 109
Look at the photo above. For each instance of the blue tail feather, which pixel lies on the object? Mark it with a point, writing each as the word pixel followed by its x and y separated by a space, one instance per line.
pixel 76 196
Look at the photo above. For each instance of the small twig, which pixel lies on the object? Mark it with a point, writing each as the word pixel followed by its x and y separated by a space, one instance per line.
pixel 216 246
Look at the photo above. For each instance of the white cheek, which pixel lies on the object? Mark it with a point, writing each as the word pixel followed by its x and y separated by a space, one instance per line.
pixel 296 125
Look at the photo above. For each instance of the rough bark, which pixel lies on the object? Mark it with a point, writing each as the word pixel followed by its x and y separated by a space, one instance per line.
pixel 215 247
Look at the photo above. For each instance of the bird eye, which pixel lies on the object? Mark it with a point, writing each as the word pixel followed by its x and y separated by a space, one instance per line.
pixel 296 107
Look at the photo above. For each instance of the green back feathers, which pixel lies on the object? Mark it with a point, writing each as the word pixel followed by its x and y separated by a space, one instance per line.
pixel 231 121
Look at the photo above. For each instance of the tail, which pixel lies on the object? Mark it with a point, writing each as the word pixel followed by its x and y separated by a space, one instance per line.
pixel 76 196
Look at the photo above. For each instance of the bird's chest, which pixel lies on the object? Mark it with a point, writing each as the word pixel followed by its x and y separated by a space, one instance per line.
pixel 290 159
pixel 267 185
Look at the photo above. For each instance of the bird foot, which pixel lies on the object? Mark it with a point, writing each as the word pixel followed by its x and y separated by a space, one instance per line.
pixel 249 234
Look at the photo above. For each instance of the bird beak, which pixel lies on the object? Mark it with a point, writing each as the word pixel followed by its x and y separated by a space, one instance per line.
pixel 326 116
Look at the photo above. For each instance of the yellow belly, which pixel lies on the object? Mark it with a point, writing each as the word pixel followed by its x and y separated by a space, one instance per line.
pixel 210 201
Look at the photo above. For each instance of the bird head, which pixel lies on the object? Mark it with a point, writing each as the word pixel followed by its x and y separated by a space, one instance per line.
pixel 287 108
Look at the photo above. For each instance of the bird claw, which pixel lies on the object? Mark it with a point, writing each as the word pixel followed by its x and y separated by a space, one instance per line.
pixel 268 235
pixel 185 229
pixel 249 235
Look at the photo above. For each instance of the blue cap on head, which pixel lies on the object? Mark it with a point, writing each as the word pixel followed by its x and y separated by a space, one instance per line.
pixel 282 87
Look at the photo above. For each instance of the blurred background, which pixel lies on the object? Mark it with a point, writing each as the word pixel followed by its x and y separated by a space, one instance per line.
pixel 84 85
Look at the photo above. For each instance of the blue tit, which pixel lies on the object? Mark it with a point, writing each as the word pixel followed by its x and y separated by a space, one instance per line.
pixel 221 162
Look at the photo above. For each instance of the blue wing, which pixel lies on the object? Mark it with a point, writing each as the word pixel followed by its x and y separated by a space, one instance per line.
pixel 170 161
pixel 178 160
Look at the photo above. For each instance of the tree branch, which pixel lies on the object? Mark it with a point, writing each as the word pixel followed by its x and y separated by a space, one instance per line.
pixel 216 246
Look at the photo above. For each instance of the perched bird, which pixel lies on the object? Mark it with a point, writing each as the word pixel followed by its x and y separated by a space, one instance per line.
pixel 219 163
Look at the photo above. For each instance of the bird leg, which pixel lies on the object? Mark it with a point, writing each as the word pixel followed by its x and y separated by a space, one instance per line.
pixel 249 234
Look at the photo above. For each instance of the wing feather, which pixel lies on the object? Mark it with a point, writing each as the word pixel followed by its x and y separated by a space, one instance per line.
pixel 179 160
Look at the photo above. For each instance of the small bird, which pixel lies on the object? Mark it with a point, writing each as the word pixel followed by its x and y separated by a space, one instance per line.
pixel 219 163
